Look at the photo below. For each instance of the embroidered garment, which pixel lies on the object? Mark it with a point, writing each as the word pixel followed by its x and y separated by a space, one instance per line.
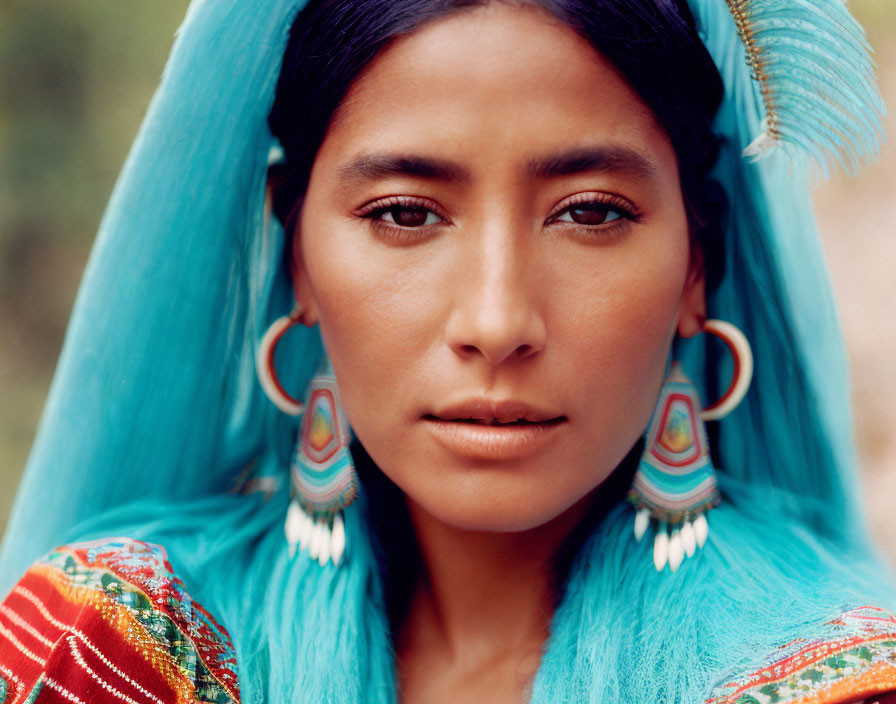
pixel 156 388
pixel 854 658
pixel 108 621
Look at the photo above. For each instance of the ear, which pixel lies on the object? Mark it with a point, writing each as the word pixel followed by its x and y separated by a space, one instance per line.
pixel 692 309
pixel 298 274
pixel 301 285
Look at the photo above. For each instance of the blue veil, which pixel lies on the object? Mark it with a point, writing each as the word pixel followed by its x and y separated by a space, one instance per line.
pixel 154 412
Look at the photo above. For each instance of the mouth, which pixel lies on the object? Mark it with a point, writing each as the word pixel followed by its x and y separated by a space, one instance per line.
pixel 495 412
pixel 494 422
pixel 494 441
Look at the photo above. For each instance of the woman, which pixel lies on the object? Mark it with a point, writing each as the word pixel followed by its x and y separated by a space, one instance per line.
pixel 502 220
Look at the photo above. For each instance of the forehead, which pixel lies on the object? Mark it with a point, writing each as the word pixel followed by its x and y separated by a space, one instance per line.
pixel 493 80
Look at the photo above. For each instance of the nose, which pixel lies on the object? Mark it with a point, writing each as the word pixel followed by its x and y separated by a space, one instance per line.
pixel 496 315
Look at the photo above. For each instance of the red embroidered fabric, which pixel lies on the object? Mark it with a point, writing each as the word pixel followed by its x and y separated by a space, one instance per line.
pixel 849 659
pixel 108 621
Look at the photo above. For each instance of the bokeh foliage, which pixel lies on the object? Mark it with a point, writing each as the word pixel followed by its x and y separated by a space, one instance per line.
pixel 75 81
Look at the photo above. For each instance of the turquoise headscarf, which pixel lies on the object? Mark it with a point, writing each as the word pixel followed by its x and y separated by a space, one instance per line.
pixel 155 411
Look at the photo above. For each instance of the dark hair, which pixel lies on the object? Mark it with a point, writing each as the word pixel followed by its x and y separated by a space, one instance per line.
pixel 653 43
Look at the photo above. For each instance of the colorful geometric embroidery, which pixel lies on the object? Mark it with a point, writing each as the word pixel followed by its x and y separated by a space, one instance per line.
pixel 322 471
pixel 675 477
pixel 109 617
pixel 854 658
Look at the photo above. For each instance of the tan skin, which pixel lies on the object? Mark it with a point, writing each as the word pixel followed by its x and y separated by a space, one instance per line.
pixel 488 285
pixel 486 282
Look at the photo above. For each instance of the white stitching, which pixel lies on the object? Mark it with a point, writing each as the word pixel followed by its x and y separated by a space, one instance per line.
pixel 73 646
pixel 53 684
pixel 4 631
pixel 25 626
pixel 47 615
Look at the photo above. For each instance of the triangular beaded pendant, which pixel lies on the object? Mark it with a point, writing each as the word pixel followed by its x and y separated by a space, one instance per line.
pixel 675 483
pixel 323 475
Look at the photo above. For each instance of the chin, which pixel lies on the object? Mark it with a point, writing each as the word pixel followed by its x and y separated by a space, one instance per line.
pixel 500 504
pixel 484 494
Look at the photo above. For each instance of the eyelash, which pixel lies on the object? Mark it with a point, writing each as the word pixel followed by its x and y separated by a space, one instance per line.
pixel 375 210
pixel 626 211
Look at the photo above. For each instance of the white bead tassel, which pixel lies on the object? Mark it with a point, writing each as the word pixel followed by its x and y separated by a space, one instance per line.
pixel 293 526
pixel 642 520
pixel 701 529
pixel 322 543
pixel 337 546
pixel 688 539
pixel 307 528
pixel 676 550
pixel 661 547
pixel 671 547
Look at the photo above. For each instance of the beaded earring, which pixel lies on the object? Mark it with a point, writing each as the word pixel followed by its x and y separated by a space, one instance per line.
pixel 675 482
pixel 322 473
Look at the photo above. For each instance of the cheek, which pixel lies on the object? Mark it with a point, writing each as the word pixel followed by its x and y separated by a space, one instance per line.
pixel 614 327
pixel 630 322
pixel 376 317
pixel 610 315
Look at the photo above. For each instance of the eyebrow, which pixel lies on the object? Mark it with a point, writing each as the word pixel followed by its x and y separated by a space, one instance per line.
pixel 371 167
pixel 613 158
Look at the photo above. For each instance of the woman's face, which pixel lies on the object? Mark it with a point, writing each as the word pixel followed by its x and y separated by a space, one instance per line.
pixel 495 246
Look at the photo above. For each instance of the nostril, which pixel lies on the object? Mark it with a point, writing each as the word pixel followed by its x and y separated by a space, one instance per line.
pixel 479 329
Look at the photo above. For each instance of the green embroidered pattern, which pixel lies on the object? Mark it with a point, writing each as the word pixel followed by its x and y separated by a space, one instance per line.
pixel 855 657
pixel 136 576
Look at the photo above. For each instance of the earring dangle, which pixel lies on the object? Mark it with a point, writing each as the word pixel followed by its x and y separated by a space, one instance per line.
pixel 322 472
pixel 675 483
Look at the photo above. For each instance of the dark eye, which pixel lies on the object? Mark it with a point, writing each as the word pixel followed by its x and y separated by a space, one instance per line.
pixel 406 215
pixel 590 214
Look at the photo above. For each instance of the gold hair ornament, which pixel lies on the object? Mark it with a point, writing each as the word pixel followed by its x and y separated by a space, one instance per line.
pixel 816 77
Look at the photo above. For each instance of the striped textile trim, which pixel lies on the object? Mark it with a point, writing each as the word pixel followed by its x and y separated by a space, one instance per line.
pixel 70 632
pixel 107 621
pixel 849 658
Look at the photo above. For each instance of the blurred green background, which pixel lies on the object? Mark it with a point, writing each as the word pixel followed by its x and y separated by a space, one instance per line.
pixel 75 80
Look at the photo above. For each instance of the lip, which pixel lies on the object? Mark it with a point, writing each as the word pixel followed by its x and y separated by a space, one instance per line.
pixel 487 429
pixel 491 410
pixel 492 442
